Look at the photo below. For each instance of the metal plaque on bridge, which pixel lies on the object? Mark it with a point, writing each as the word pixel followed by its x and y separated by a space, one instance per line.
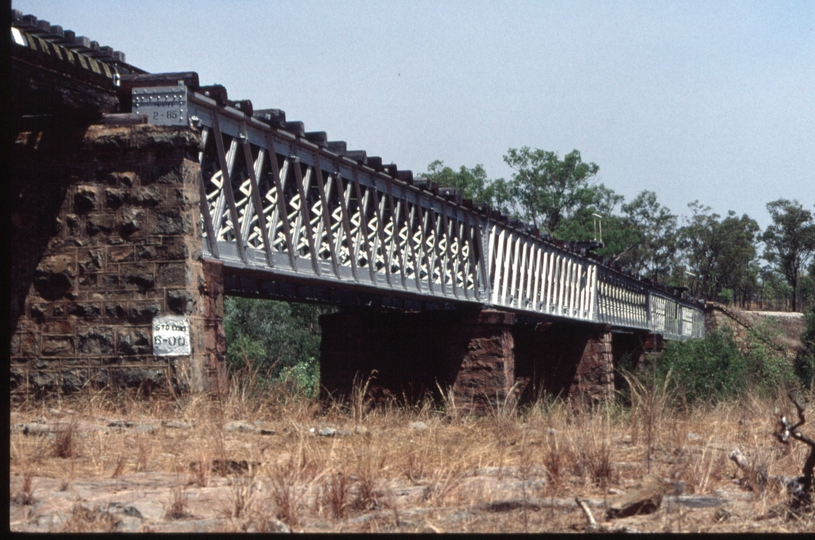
pixel 163 105
pixel 171 335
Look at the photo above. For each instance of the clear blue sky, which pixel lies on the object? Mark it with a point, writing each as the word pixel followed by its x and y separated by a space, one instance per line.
pixel 711 100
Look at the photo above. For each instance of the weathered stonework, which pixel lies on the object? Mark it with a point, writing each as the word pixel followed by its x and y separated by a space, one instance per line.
pixel 486 374
pixel 114 241
pixel 569 360
pixel 594 377
pixel 487 359
pixel 411 354
pixel 748 328
pixel 718 316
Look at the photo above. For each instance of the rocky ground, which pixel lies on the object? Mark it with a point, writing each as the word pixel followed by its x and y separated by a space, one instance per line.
pixel 80 470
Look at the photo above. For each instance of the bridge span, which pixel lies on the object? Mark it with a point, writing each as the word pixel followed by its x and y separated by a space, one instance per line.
pixel 257 206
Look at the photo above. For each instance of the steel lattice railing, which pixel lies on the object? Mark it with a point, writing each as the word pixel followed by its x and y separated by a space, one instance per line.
pixel 280 204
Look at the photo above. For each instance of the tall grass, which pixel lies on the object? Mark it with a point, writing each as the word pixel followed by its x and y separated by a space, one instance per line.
pixel 548 450
pixel 650 398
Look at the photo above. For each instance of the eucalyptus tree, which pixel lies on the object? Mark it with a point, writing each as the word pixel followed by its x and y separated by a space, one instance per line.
pixel 472 183
pixel 652 239
pixel 546 190
pixel 717 251
pixel 789 241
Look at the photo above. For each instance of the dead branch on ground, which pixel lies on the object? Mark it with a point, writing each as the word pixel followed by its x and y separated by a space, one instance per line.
pixel 801 493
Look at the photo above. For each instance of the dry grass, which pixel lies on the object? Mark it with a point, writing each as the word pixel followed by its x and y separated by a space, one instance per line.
pixel 177 507
pixel 25 494
pixel 389 477
pixel 66 443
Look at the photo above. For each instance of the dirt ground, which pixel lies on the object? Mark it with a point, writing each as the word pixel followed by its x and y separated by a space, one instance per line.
pixel 785 328
pixel 97 464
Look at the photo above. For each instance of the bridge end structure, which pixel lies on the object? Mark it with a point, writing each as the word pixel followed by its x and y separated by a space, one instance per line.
pixel 107 242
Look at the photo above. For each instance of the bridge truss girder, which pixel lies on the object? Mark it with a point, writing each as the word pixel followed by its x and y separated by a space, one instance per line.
pixel 276 204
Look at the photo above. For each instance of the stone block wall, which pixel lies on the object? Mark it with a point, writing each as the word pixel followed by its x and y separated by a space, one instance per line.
pixel 410 354
pixel 116 243
pixel 594 377
pixel 632 351
pixel 563 359
pixel 486 373
pixel 486 358
pixel 718 316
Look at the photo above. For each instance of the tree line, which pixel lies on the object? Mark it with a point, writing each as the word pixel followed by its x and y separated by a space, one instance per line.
pixel 721 258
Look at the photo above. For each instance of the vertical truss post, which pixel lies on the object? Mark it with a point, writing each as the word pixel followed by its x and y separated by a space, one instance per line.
pixel 499 260
pixel 516 269
pixel 344 196
pixel 446 224
pixel 551 286
pixel 380 233
pixel 282 213
pixel 537 278
pixel 321 186
pixel 415 216
pixel 301 190
pixel 473 255
pixel 432 217
pixel 593 293
pixel 508 274
pixel 362 203
pixel 396 218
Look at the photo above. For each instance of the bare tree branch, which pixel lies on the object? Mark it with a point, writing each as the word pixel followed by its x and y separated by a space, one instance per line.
pixel 788 430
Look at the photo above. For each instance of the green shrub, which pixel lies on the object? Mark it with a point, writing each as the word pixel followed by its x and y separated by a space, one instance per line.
pixel 273 342
pixel 805 360
pixel 704 369
pixel 303 377
pixel 714 369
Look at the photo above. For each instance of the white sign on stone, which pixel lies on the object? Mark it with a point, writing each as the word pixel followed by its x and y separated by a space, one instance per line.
pixel 171 335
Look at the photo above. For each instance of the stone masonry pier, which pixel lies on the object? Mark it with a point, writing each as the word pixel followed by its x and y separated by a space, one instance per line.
pixel 486 357
pixel 106 236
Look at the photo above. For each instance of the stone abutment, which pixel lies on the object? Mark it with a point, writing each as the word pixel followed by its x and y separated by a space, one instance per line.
pixel 106 237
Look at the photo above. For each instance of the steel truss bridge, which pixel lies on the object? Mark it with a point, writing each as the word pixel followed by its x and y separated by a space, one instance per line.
pixel 293 215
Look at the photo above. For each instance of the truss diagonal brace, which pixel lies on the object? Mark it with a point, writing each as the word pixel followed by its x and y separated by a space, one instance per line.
pixel 227 185
pixel 247 154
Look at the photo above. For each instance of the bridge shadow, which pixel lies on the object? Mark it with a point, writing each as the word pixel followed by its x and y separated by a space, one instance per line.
pixel 407 356
pixel 546 358
pixel 410 356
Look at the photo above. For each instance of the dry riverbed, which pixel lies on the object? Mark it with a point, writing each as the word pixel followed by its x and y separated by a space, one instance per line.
pixel 94 464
